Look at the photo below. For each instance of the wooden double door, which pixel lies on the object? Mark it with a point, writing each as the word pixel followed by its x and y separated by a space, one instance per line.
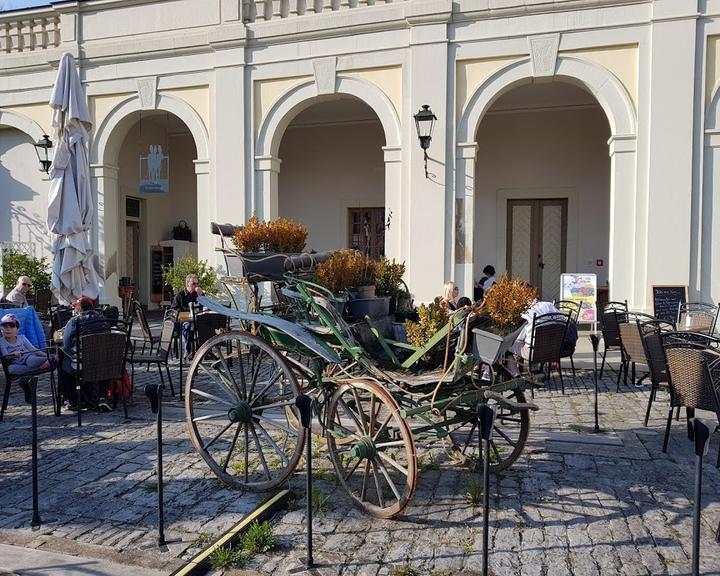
pixel 537 243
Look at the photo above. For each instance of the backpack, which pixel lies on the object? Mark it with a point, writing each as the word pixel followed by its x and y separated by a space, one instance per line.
pixel 121 388
pixel 571 338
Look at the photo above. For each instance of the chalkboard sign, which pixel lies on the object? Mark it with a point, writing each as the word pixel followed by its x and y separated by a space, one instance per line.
pixel 666 300
pixel 156 263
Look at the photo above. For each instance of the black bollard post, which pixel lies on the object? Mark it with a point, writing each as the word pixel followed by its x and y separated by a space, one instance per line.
pixel 154 394
pixel 486 420
pixel 595 341
pixel 702 443
pixel 304 404
pixel 32 384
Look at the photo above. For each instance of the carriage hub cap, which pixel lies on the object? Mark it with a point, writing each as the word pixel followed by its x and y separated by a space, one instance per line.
pixel 241 412
pixel 365 448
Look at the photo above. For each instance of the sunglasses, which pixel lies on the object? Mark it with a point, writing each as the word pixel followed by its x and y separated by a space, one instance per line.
pixel 8 325
pixel 27 285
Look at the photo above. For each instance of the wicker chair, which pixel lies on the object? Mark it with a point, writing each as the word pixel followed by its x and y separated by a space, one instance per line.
pixel 609 323
pixel 101 358
pixel 694 380
pixel 548 335
pixel 633 351
pixel 651 333
pixel 160 358
pixel 697 317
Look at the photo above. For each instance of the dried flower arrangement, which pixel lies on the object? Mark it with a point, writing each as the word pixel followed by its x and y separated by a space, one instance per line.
pixel 431 319
pixel 505 302
pixel 279 235
pixel 389 275
pixel 345 270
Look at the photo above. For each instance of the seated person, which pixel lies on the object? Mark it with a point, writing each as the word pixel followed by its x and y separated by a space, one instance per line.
pixel 18 295
pixel 521 346
pixel 464 301
pixel 449 296
pixel 23 357
pixel 85 321
pixel 181 302
pixel 485 283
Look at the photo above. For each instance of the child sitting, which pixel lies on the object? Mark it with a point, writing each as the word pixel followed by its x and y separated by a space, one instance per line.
pixel 19 351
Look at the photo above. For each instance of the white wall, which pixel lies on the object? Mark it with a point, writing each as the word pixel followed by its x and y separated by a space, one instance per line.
pixel 162 211
pixel 23 192
pixel 324 171
pixel 545 153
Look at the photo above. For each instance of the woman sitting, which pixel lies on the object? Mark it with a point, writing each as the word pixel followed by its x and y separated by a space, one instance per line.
pixel 449 296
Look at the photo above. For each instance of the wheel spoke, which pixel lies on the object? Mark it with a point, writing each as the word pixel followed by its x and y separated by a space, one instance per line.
pixel 495 449
pixel 377 485
pixel 350 473
pixel 352 415
pixel 273 381
pixel 260 453
pixel 469 438
pixel 277 448
pixel 253 373
pixel 210 416
pixel 393 464
pixel 276 424
pixel 384 472
pixel 366 473
pixel 507 438
pixel 221 384
pixel 390 444
pixel 274 405
pixel 229 372
pixel 247 453
pixel 382 426
pixel 206 446
pixel 211 397
pixel 361 412
pixel 232 447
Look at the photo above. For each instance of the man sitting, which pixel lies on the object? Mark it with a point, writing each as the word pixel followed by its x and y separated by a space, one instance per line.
pixel 85 321
pixel 182 302
pixel 18 295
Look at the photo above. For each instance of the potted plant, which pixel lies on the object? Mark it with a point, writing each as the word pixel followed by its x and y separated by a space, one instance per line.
pixel 502 308
pixel 264 246
pixel 174 274
pixel 431 319
pixel 347 272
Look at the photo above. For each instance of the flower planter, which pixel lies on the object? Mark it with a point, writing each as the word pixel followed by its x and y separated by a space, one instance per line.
pixel 373 307
pixel 366 292
pixel 490 347
pixel 258 266
pixel 399 332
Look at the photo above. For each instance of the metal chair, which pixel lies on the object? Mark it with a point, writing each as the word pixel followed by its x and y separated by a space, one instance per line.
pixel 10 378
pixel 569 306
pixel 633 351
pixel 651 332
pixel 160 358
pixel 697 317
pixel 548 335
pixel 609 324
pixel 694 381
pixel 43 300
pixel 148 336
pixel 100 358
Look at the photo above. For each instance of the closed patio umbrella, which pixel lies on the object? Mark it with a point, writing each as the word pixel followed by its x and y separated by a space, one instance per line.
pixel 70 203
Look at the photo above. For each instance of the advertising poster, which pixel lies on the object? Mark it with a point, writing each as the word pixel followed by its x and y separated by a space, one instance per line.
pixel 581 288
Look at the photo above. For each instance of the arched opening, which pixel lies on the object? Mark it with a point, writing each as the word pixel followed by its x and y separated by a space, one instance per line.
pixel 332 176
pixel 543 186
pixel 23 194
pixel 156 189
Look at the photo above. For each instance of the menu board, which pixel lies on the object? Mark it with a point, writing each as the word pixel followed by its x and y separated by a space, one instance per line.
pixel 581 288
pixel 156 276
pixel 667 300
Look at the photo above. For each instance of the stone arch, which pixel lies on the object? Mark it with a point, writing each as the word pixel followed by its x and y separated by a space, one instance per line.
pixel 302 96
pixel 22 123
pixel 105 147
pixel 108 137
pixel 305 95
pixel 625 279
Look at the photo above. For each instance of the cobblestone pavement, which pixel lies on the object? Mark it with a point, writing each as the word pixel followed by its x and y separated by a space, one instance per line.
pixel 574 503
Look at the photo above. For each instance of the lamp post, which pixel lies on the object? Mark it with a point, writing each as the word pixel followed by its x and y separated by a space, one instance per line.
pixel 424 124
pixel 42 149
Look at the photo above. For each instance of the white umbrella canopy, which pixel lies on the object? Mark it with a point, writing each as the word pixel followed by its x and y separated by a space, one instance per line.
pixel 70 203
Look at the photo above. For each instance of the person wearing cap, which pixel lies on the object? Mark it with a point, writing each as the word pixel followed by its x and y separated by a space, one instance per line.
pixel 85 321
pixel 18 295
pixel 19 351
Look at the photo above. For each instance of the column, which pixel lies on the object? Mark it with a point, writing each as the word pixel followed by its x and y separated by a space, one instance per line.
pixel 430 200
pixel 267 169
pixel 623 275
pixel 465 155
pixel 205 207
pixel 393 199
pixel 104 179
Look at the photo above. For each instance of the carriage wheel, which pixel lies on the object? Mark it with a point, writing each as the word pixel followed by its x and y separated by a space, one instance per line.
pixel 240 405
pixel 510 433
pixel 371 447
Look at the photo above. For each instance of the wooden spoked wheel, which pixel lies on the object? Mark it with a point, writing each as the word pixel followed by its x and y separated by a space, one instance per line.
pixel 240 409
pixel 371 447
pixel 510 433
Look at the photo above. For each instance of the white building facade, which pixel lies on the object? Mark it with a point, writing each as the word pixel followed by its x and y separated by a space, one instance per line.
pixel 571 135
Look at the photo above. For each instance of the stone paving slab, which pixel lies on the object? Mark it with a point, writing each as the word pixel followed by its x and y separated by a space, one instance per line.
pixel 564 508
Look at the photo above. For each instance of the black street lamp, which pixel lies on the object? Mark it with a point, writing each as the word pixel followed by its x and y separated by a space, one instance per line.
pixel 424 124
pixel 42 149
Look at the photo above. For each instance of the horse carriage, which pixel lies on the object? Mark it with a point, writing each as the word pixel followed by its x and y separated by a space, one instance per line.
pixel 372 408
